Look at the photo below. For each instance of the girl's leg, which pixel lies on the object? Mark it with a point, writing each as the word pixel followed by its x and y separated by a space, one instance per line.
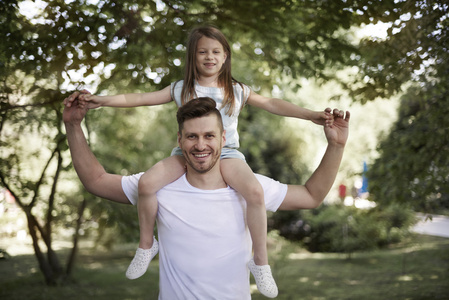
pixel 164 172
pixel 158 176
pixel 241 178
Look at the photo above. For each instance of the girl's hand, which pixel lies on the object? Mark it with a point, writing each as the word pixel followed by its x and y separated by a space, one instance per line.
pixel 92 101
pixel 324 118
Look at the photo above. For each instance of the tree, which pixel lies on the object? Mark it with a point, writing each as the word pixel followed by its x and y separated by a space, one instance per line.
pixel 33 147
pixel 412 168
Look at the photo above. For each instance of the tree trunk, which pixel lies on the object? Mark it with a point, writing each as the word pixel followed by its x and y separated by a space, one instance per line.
pixel 50 267
pixel 79 221
pixel 43 264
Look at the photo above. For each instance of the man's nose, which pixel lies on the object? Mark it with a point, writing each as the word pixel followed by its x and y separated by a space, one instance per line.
pixel 200 144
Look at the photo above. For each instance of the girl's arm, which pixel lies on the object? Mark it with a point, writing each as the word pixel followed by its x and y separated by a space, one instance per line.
pixel 125 100
pixel 283 108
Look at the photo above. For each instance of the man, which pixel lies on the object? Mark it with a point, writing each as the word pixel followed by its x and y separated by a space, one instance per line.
pixel 204 243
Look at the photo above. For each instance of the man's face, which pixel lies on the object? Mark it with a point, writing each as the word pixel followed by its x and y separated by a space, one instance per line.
pixel 201 143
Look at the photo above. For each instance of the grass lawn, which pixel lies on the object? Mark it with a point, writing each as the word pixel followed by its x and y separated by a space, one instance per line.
pixel 415 269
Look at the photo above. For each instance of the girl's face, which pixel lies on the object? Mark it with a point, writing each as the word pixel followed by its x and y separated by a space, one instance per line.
pixel 210 57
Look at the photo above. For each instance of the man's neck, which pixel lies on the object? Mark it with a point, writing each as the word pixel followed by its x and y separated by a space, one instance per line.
pixel 211 180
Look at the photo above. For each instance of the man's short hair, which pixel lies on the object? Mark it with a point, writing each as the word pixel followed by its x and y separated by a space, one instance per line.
pixel 197 108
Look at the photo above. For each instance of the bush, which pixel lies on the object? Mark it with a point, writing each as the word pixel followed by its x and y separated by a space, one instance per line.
pixel 337 228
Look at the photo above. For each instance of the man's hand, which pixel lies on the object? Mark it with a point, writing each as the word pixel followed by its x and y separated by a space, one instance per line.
pixel 89 100
pixel 74 96
pixel 74 109
pixel 337 133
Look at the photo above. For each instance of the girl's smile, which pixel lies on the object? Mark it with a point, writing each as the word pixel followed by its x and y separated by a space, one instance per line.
pixel 210 57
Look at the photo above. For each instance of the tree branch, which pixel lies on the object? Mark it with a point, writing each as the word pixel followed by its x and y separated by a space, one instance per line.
pixel 6 185
pixel 41 179
pixel 11 107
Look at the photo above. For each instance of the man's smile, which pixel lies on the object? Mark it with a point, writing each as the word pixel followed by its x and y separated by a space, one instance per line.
pixel 201 155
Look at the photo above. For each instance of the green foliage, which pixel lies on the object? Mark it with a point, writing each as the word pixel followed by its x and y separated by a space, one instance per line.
pixel 416 43
pixel 337 228
pixel 413 165
pixel 268 147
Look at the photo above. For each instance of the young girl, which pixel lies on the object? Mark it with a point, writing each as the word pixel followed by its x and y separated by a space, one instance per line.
pixel 208 73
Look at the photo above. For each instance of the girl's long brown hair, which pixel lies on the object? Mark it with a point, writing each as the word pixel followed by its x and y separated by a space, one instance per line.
pixel 225 79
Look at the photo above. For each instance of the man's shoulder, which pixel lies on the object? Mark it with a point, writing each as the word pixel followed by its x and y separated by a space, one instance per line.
pixel 265 179
pixel 274 191
pixel 180 183
pixel 130 186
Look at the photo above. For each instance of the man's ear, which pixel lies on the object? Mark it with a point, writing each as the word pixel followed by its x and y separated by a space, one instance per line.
pixel 179 139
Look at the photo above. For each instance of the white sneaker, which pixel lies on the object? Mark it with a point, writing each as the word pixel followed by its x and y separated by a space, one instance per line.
pixel 141 261
pixel 264 279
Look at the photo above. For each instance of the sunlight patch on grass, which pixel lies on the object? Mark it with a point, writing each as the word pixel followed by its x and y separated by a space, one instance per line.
pixel 253 288
pixel 405 278
pixel 297 256
pixel 308 255
pixel 94 266
pixel 303 279
pixel 353 282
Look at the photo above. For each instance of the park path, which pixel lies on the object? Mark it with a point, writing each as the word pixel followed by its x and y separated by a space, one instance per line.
pixel 438 226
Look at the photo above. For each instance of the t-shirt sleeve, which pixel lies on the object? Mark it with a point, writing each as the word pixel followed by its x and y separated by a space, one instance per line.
pixel 130 186
pixel 175 91
pixel 246 91
pixel 274 191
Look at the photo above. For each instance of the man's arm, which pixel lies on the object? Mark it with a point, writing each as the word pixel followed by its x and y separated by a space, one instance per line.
pixel 91 173
pixel 312 194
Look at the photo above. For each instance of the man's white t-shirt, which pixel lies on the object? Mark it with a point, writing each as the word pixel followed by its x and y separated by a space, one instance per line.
pixel 204 242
